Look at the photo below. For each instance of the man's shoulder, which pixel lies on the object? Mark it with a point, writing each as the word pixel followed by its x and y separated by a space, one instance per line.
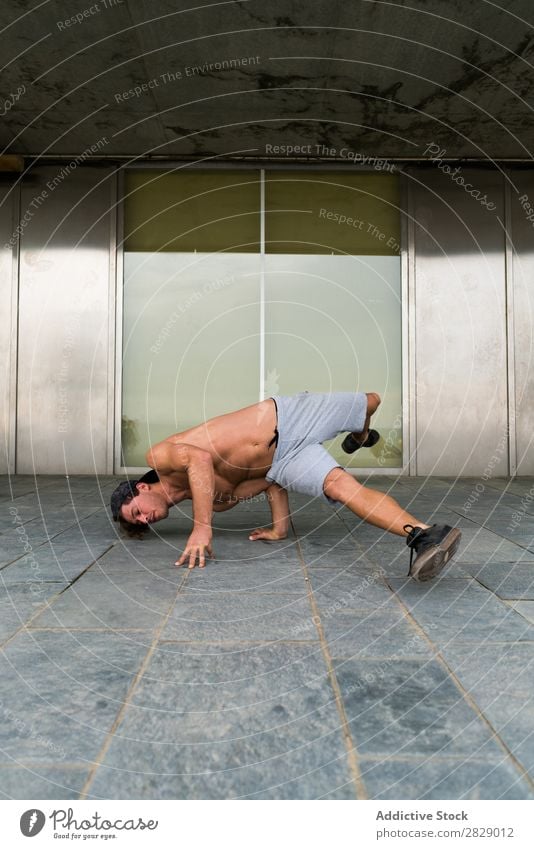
pixel 168 455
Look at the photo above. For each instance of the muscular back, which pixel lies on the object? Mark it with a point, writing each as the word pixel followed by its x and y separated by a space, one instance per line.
pixel 238 442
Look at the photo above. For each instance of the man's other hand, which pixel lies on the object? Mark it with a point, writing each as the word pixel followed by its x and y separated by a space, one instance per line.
pixel 197 545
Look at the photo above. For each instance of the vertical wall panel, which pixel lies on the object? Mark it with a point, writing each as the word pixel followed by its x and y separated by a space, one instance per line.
pixel 64 377
pixel 8 195
pixel 460 323
pixel 522 233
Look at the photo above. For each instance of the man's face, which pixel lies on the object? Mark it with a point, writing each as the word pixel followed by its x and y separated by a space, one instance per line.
pixel 147 507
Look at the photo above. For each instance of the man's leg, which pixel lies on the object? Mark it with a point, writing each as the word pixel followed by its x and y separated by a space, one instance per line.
pixel 433 546
pixel 369 504
pixel 365 437
pixel 373 402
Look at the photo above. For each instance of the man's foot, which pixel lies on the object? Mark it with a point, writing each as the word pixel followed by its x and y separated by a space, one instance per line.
pixel 434 548
pixel 350 444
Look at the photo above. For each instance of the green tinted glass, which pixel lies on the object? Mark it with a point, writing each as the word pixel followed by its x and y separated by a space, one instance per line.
pixel 341 213
pixel 192 211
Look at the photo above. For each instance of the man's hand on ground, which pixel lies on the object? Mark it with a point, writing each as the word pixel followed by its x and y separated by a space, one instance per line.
pixel 197 545
pixel 267 533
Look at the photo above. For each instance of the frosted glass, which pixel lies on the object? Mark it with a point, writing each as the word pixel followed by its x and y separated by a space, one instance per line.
pixel 333 323
pixel 191 342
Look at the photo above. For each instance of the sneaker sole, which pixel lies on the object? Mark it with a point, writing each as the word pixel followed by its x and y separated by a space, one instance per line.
pixel 431 562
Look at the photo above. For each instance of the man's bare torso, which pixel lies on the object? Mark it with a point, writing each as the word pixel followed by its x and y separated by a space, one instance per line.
pixel 241 448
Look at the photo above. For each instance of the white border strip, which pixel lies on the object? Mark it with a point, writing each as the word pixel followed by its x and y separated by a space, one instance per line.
pixel 112 295
pixel 119 301
pixel 11 459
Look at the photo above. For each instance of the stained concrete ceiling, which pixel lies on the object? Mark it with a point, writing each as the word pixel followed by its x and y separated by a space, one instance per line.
pixel 338 79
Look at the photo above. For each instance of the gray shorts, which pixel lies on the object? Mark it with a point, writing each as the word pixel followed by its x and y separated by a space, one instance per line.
pixel 300 463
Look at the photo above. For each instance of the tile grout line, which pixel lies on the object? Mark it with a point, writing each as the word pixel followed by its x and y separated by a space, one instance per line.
pixel 50 539
pixel 371 758
pixel 25 626
pixel 361 792
pixel 131 690
pixel 500 536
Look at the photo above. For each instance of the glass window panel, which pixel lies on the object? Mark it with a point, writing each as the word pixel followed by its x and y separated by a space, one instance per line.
pixel 191 346
pixel 192 210
pixel 309 212
pixel 192 316
pixel 333 324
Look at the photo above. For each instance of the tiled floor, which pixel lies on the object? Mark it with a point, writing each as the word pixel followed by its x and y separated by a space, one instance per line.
pixel 309 668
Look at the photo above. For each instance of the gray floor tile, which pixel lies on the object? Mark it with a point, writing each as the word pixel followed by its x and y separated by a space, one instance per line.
pixel 401 707
pixel 32 531
pixel 525 608
pixel 61 693
pixel 147 555
pixel 12 620
pixel 353 589
pixel 500 681
pixel 483 546
pixel 507 580
pixel 10 551
pixel 52 564
pixel 31 592
pixel 438 779
pixel 462 610
pixel 335 554
pixel 195 686
pixel 40 782
pixel 376 633
pixel 241 771
pixel 243 616
pixel 220 728
pixel 134 600
pixel 265 575
pixel 513 486
pixel 20 602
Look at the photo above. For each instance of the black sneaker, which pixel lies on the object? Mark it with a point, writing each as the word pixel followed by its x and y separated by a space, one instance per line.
pixel 433 546
pixel 350 444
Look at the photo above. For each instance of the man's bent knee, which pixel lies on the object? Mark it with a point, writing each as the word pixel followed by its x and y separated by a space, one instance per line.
pixel 373 402
pixel 339 485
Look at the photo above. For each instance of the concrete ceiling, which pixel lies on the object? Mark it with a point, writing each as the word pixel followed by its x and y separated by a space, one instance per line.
pixel 357 77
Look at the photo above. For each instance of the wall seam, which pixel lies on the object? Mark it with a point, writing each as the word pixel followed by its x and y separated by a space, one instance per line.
pixel 15 335
pixel 510 329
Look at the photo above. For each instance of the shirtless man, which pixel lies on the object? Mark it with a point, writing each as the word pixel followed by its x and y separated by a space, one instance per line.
pixel 273 447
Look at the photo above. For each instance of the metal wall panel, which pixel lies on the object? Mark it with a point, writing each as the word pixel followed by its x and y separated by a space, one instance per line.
pixel 65 381
pixel 460 341
pixel 8 335
pixel 522 324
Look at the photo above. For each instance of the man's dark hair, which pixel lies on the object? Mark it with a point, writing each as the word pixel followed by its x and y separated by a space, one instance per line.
pixel 123 494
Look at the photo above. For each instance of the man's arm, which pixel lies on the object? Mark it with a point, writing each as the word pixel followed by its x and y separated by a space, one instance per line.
pixel 167 457
pixel 279 504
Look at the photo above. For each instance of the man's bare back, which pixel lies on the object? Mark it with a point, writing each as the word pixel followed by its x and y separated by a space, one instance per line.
pixel 240 444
